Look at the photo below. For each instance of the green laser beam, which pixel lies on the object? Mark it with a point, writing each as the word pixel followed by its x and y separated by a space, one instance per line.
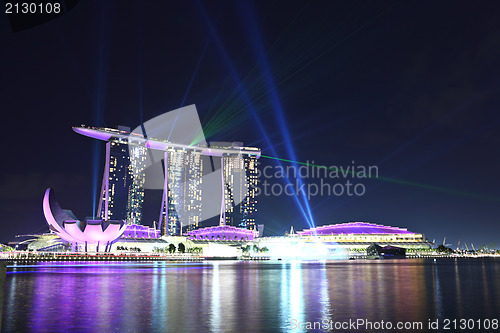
pixel 221 118
pixel 397 181
pixel 217 120
pixel 222 111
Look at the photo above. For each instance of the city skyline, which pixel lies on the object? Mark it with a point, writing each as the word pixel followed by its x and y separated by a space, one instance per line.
pixel 394 85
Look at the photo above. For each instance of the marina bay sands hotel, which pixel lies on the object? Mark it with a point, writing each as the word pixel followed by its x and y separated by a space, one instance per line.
pixel 196 179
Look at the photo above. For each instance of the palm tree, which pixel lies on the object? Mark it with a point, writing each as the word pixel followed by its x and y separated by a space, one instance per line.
pixel 245 249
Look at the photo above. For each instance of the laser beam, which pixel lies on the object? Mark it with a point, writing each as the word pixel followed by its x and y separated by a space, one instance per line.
pixel 243 93
pixel 396 181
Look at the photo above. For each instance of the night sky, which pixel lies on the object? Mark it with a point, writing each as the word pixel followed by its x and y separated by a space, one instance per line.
pixel 412 87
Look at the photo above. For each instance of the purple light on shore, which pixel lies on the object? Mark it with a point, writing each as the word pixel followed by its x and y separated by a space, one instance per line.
pixel 354 228
pixel 223 233
pixel 140 231
pixel 92 232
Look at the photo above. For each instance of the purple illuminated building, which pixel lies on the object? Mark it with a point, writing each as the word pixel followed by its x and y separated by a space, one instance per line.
pixel 223 233
pixel 76 232
pixel 140 231
pixel 352 228
pixel 362 234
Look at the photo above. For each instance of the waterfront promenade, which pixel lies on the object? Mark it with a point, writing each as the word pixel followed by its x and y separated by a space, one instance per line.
pixel 27 257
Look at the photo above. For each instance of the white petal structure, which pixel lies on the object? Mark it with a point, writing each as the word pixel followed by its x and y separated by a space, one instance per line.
pixel 75 231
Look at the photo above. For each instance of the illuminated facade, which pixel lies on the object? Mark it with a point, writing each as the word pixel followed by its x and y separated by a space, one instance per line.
pixel 122 191
pixel 185 171
pixel 193 198
pixel 362 234
pixel 240 186
pixel 223 233
pixel 249 203
pixel 140 231
pixel 234 188
pixel 136 190
pixel 116 182
pixel 342 241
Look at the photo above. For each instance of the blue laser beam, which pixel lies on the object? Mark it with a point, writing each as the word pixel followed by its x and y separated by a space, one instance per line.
pixel 195 72
pixel 140 60
pixel 244 94
pixel 256 40
pixel 98 117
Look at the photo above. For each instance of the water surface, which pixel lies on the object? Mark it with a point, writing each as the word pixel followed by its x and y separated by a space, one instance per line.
pixel 235 296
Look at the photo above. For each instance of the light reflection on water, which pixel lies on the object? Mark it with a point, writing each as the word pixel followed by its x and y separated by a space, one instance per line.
pixel 231 296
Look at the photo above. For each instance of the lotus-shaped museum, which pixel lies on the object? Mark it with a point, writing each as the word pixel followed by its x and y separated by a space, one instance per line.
pixel 90 232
